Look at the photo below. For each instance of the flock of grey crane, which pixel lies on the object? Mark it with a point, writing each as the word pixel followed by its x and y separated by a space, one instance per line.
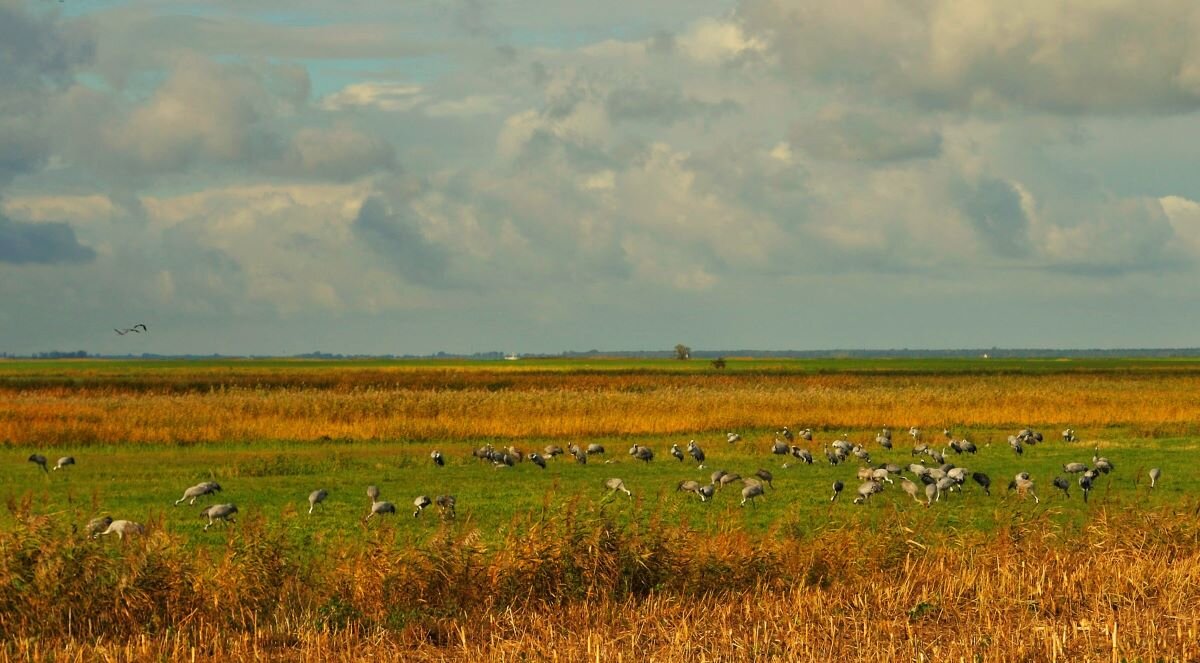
pixel 925 482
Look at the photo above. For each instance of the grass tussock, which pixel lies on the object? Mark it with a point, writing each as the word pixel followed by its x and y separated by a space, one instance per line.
pixel 574 583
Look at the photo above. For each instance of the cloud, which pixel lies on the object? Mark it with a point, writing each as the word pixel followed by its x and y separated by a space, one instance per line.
pixel 847 134
pixel 339 154
pixel 1111 236
pixel 662 103
pixel 996 211
pixel 395 235
pixel 204 110
pixel 41 244
pixel 391 97
pixel 1064 56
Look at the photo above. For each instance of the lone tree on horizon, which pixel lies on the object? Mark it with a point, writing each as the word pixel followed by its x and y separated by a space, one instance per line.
pixel 718 363
pixel 683 352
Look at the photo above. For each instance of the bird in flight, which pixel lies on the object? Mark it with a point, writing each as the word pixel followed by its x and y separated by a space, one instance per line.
pixel 137 329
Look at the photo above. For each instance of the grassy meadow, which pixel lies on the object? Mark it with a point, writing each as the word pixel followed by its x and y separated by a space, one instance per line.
pixel 543 564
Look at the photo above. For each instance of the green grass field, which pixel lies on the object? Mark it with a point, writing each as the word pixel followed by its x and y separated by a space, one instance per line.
pixel 271 481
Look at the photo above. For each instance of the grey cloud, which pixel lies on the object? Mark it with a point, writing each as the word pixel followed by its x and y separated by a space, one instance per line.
pixel 661 43
pixel 660 103
pixel 34 49
pixel 993 208
pixel 340 153
pixel 37 56
pixel 396 237
pixel 41 243
pixel 1061 57
pixel 851 135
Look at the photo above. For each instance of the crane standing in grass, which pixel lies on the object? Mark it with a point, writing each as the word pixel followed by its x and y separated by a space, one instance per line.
pixel 614 485
pixel 123 527
pixel 222 512
pixel 316 497
pixel 1155 475
pixel 198 490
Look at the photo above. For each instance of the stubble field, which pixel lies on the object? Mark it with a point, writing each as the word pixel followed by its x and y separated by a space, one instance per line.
pixel 544 564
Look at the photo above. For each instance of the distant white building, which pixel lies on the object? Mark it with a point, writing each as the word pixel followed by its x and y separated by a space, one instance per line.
pixel 512 357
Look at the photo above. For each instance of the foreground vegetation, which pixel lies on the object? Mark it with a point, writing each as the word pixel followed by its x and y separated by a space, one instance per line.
pixel 541 564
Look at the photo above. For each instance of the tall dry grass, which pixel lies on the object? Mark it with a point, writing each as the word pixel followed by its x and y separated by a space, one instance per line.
pixel 483 404
pixel 575 584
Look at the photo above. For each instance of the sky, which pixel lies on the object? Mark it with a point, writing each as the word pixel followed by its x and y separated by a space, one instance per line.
pixel 372 176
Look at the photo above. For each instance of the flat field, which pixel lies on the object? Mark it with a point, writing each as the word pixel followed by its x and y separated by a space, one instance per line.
pixel 544 564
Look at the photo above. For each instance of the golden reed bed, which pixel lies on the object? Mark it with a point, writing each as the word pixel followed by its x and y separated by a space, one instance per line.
pixel 466 404
pixel 578 588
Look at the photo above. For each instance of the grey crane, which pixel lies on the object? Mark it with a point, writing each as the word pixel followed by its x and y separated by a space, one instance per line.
pixel 803 455
pixel 517 454
pixel 984 482
pixel 316 497
pixel 861 454
pixel 677 452
pixel 1101 463
pixel 1016 445
pixel 641 453
pixel 919 449
pixel 832 456
pixel 915 433
pixel 765 476
pixel 732 437
pixel 122 528
pixel 39 460
pixel 780 448
pixel 593 449
pixel 221 512
pixel 445 505
pixel 1068 435
pixel 696 452
pixel 421 502
pixel 837 490
pixel 806 434
pixel 728 479
pixel 553 450
pixel 65 461
pixel 1074 468
pixel 1024 485
pixel 580 457
pixel 537 459
pixel 884 441
pixel 752 490
pixel 437 457
pixel 379 509
pixel 715 477
pixel 1155 475
pixel 203 488
pixel 687 485
pixel 945 485
pixel 614 484
pixel 1063 485
pixel 931 494
pixel 866 490
pixel 786 434
pixel 96 526
pixel 911 488
pixel 706 492
pixel 1085 484
pixel 967 446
